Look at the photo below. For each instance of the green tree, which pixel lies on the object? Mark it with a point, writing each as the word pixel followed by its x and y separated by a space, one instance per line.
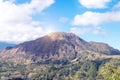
pixel 109 72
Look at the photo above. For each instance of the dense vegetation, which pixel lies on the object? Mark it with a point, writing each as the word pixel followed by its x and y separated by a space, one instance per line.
pixel 100 69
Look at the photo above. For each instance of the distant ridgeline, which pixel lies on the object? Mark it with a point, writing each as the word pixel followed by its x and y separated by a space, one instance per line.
pixel 4 45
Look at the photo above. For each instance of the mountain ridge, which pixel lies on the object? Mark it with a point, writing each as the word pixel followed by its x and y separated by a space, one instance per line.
pixel 5 44
pixel 56 46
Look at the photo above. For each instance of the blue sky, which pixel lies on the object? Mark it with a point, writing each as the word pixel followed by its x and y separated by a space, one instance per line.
pixel 92 20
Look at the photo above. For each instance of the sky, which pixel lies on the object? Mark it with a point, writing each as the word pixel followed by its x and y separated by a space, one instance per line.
pixel 92 20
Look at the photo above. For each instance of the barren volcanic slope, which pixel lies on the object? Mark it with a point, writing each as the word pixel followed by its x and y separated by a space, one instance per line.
pixel 56 46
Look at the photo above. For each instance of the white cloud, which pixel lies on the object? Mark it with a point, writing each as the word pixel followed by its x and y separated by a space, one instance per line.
pixel 16 23
pixel 96 18
pixel 117 6
pixel 99 31
pixel 39 5
pixel 80 31
pixel 86 30
pixel 63 19
pixel 94 3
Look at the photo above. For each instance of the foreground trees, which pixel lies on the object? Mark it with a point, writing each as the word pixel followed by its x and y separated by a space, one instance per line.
pixel 104 69
pixel 109 71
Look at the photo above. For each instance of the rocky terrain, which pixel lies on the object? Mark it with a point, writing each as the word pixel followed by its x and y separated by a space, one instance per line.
pixel 56 46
